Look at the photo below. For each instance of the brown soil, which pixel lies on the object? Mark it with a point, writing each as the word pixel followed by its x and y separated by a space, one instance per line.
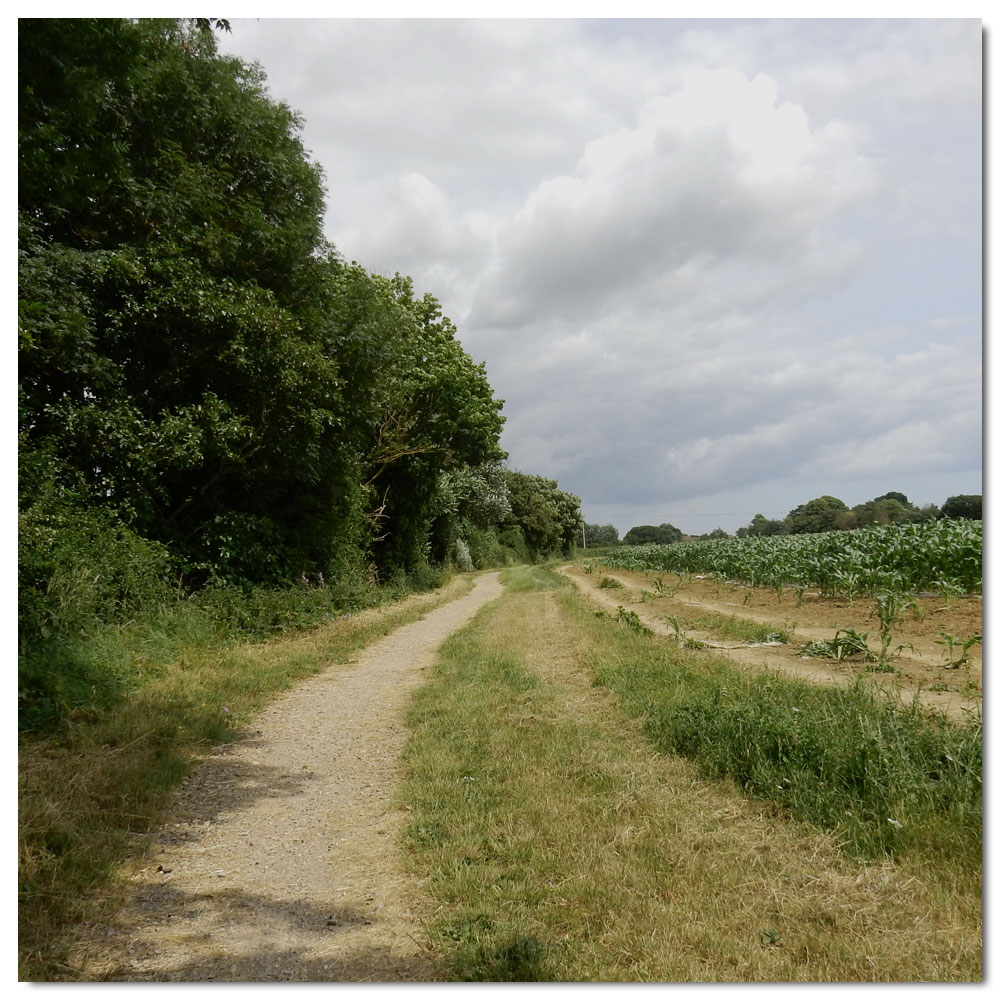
pixel 923 670
pixel 282 860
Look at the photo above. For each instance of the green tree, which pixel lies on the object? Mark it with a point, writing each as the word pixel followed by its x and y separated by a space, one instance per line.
pixel 170 228
pixel 760 527
pixel 646 534
pixel 884 510
pixel 191 348
pixel 599 534
pixel 717 533
pixel 963 506
pixel 816 515
pixel 547 517
pixel 435 410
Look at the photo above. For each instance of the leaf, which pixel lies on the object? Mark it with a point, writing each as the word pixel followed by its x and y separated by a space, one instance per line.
pixel 769 936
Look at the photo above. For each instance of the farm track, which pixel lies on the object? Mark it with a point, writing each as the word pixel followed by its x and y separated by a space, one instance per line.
pixel 812 620
pixel 281 862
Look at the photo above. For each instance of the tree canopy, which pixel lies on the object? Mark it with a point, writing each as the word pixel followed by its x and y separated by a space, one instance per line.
pixel 194 357
pixel 963 506
pixel 644 534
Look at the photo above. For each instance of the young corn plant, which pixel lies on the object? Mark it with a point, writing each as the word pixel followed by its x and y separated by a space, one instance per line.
pixel 889 609
pixel 961 658
pixel 951 642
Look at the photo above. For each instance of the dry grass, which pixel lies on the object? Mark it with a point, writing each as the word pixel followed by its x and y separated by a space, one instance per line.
pixel 561 846
pixel 86 798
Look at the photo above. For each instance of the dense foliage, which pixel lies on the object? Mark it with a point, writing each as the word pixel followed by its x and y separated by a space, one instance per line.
pixel 210 396
pixel 828 513
pixel 652 534
pixel 944 556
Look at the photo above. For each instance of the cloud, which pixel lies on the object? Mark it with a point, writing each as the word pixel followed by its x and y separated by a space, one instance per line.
pixel 422 232
pixel 715 174
pixel 702 260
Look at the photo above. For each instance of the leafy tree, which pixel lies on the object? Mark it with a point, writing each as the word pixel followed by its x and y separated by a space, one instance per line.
pixel 599 534
pixel 816 515
pixel 435 411
pixel 170 224
pixel 548 518
pixel 899 497
pixel 884 510
pixel 471 502
pixel 191 348
pixel 761 527
pixel 645 534
pixel 964 505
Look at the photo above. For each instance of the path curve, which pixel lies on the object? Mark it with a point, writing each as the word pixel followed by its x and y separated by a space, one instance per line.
pixel 285 865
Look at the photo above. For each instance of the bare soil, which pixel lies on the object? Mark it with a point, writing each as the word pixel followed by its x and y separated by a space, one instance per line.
pixel 281 861
pixel 922 671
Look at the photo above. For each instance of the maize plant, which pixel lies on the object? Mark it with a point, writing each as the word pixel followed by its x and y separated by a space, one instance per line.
pixel 942 556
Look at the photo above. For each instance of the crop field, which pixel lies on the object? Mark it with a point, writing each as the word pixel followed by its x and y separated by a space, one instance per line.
pixel 943 557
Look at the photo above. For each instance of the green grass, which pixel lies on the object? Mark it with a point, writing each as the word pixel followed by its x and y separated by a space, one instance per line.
pixel 739 629
pixel 883 776
pixel 561 841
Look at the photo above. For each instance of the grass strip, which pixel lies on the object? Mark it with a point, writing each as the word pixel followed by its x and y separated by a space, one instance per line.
pixel 559 845
pixel 883 776
pixel 88 792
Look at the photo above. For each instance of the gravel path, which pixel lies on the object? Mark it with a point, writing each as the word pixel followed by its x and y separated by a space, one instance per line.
pixel 286 865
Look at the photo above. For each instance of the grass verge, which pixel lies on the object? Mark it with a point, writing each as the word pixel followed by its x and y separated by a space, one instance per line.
pixel 90 790
pixel 560 844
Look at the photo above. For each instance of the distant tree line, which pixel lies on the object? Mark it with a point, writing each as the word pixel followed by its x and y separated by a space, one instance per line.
pixel 825 513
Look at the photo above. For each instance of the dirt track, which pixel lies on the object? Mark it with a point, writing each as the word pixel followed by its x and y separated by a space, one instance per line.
pixel 920 671
pixel 282 860
pixel 282 863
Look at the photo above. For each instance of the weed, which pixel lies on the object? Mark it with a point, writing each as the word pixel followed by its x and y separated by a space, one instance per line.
pixel 846 643
pixel 950 642
pixel 631 620
pixel 610 583
pixel 680 638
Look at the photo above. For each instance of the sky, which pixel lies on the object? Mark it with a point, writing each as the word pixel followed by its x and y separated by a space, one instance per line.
pixel 713 267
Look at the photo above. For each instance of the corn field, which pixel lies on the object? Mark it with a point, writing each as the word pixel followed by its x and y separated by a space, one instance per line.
pixel 944 556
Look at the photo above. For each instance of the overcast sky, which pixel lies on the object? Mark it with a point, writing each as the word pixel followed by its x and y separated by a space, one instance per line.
pixel 714 268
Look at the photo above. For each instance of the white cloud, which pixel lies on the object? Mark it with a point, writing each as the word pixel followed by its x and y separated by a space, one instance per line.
pixel 714 173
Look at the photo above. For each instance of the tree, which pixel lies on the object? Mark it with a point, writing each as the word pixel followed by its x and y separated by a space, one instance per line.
pixel 599 534
pixel 816 515
pixel 899 497
pixel 170 228
pixel 435 411
pixel 645 534
pixel 884 510
pixel 548 518
pixel 964 505
pixel 760 526
pixel 193 354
